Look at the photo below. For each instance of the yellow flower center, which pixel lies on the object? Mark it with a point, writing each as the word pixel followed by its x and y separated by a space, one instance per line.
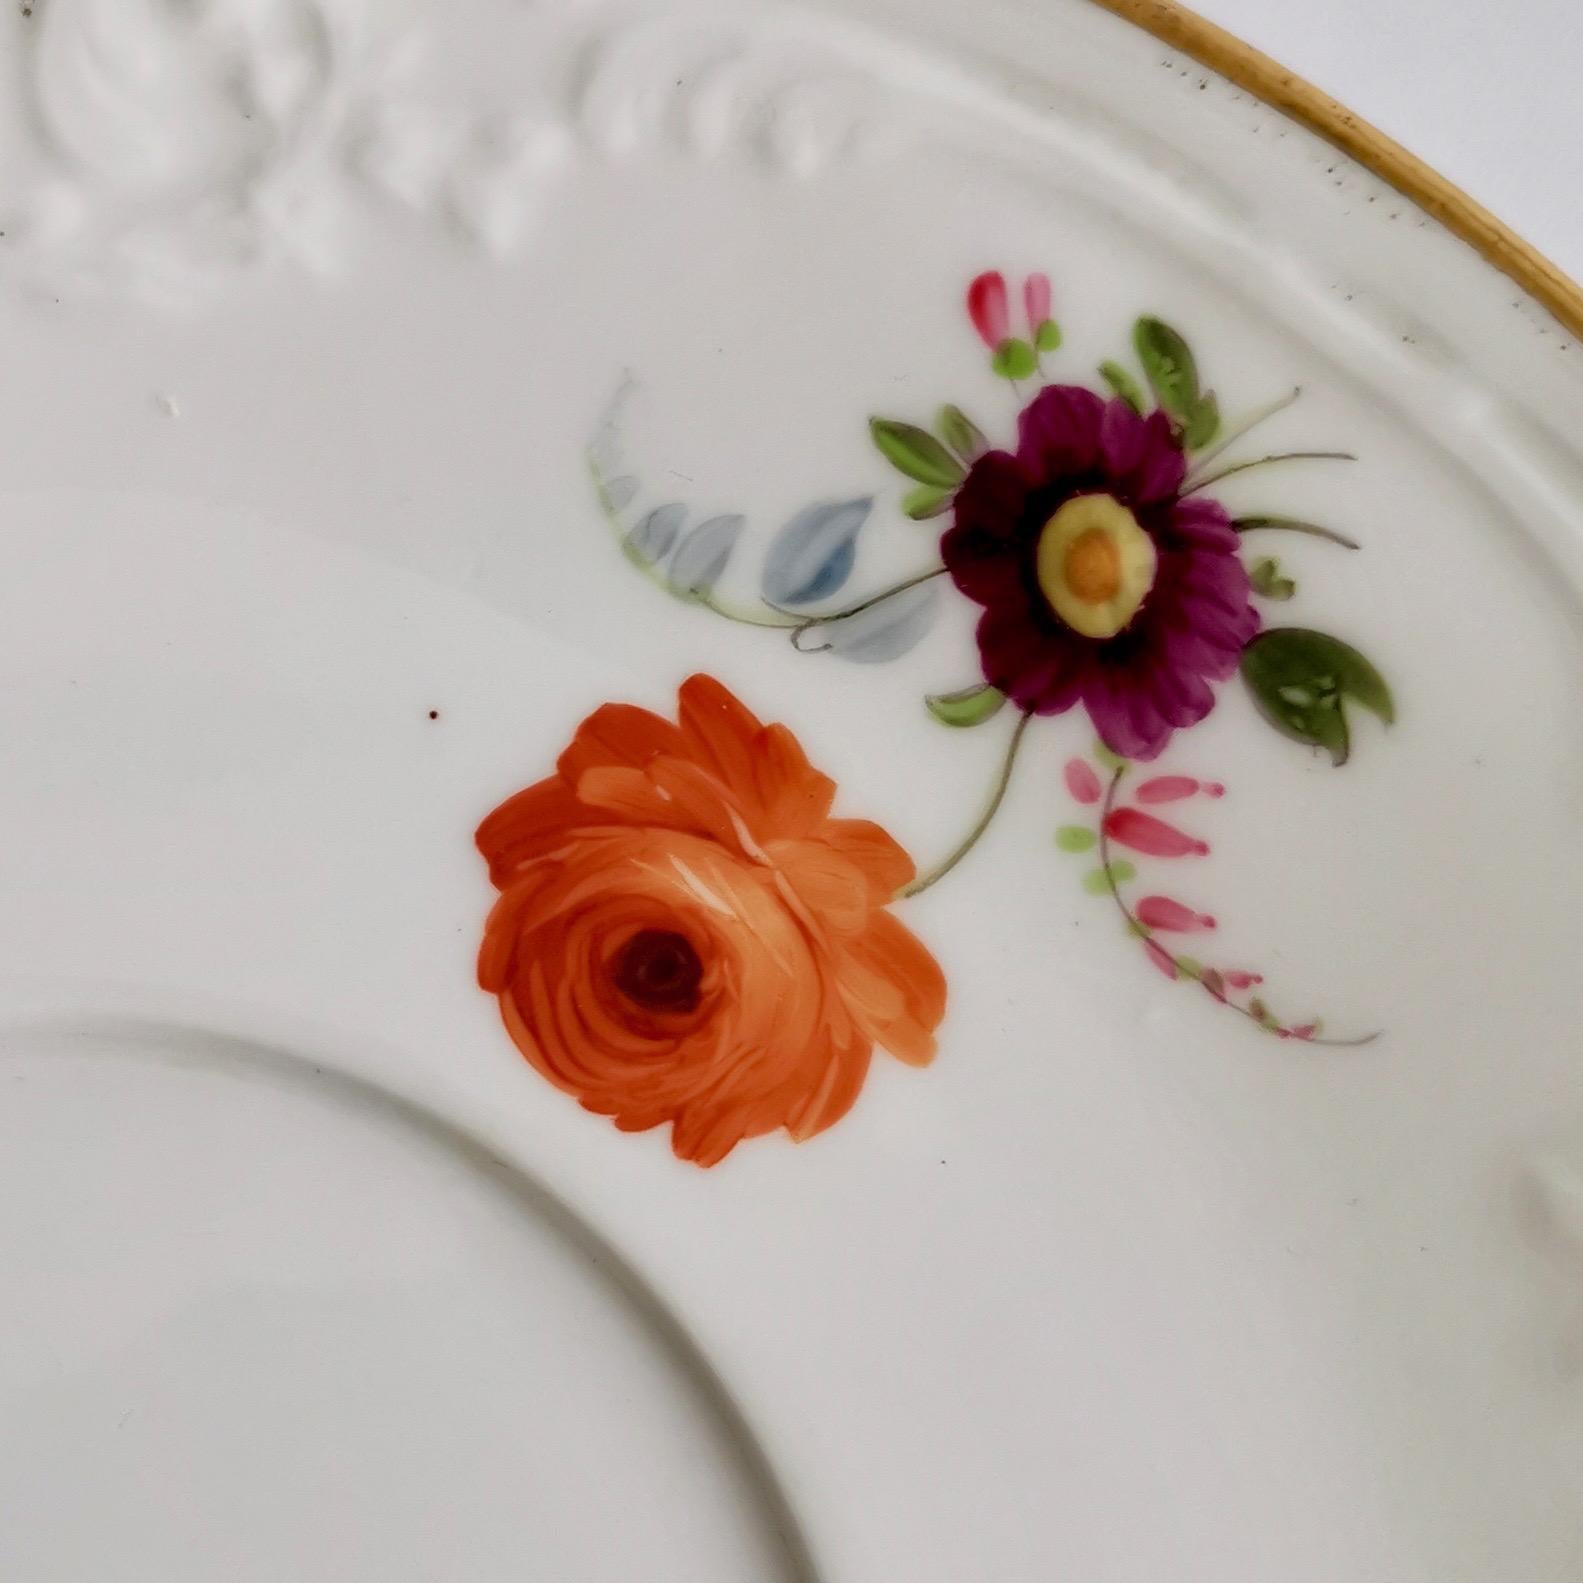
pixel 1095 565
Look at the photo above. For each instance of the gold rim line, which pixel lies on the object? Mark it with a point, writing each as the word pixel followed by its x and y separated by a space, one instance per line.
pixel 1222 52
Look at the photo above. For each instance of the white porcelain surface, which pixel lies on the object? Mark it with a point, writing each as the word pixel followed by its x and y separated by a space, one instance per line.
pixel 311 312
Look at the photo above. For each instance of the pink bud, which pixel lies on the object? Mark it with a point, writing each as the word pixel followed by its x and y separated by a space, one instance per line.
pixel 1036 298
pixel 1154 837
pixel 1304 1031
pixel 1081 781
pixel 1173 788
pixel 1161 959
pixel 986 307
pixel 1160 912
pixel 1240 980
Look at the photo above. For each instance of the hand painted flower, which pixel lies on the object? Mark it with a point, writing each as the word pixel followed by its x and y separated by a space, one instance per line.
pixel 1101 583
pixel 685 935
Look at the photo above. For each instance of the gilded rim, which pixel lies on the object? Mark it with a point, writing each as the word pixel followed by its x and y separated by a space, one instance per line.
pixel 1221 52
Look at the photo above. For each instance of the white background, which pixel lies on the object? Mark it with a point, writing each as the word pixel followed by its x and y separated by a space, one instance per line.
pixel 1484 90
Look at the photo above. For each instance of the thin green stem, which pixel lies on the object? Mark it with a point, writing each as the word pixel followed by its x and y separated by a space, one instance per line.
pixel 801 624
pixel 1293 525
pixel 1137 927
pixel 1264 461
pixel 744 618
pixel 1238 427
pixel 934 875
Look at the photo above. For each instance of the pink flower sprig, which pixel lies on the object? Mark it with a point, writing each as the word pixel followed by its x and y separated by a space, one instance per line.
pixel 1156 919
pixel 989 307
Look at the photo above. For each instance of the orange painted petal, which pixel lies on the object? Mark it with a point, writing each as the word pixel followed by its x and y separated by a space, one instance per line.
pixel 630 795
pixel 700 802
pixel 794 797
pixel 883 862
pixel 836 1093
pixel 894 987
pixel 526 826
pixel 503 929
pixel 720 732
pixel 833 889
pixel 618 734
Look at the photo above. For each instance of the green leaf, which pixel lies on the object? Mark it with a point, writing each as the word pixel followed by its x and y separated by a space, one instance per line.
pixel 1048 336
pixel 1189 967
pixel 1203 422
pixel 1268 581
pixel 961 433
pixel 1300 681
pixel 915 452
pixel 1107 759
pixel 1122 384
pixel 927 501
pixel 972 706
pixel 1100 880
pixel 1075 838
pixel 1169 367
pixel 1014 359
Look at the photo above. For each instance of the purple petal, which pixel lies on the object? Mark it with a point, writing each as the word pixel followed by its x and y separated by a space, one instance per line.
pixel 1058 432
pixel 1204 524
pixel 1122 439
pixel 1159 474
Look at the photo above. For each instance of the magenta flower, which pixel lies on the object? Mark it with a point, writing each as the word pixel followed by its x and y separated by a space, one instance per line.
pixel 987 308
pixel 1173 788
pixel 1164 913
pixel 1102 584
pixel 1082 782
pixel 1036 300
pixel 1131 827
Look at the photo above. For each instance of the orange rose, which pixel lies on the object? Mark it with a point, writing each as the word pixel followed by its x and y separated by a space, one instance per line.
pixel 684 934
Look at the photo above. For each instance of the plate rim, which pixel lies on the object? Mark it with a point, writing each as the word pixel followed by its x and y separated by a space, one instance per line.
pixel 1293 96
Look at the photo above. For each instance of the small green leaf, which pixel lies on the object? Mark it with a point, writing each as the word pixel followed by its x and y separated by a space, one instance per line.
pixel 1202 423
pixel 1100 881
pixel 961 433
pixel 1107 759
pixel 972 706
pixel 915 452
pixel 1048 336
pixel 1075 838
pixel 1141 930
pixel 1189 967
pixel 1122 384
pixel 1300 680
pixel 1268 581
pixel 1014 359
pixel 1169 367
pixel 927 501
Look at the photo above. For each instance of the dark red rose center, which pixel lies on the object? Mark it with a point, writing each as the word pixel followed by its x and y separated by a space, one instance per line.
pixel 659 970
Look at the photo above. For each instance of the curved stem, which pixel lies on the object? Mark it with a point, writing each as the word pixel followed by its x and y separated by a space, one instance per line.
pixel 828 616
pixel 1239 427
pixel 745 618
pixel 1293 525
pixel 1264 461
pixel 934 875
pixel 1137 927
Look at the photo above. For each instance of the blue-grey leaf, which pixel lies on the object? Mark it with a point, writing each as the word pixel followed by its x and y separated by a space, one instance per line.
pixel 702 556
pixel 812 556
pixel 655 533
pixel 884 631
pixel 619 492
